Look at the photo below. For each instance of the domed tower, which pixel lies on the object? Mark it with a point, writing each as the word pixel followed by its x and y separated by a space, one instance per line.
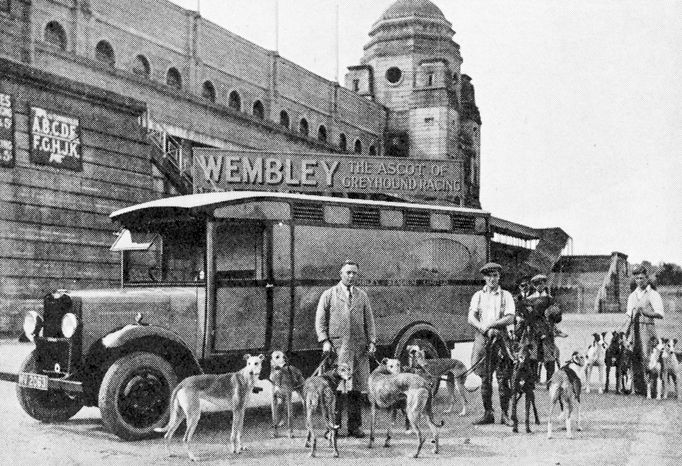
pixel 412 65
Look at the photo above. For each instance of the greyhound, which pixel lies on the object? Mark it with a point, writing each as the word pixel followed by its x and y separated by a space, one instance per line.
pixel 564 387
pixel 213 392
pixel 434 369
pixel 387 386
pixel 319 391
pixel 671 367
pixel 612 359
pixel 523 384
pixel 624 373
pixel 596 353
pixel 655 369
pixel 286 380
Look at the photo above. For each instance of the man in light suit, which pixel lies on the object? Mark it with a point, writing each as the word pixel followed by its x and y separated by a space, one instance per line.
pixel 345 324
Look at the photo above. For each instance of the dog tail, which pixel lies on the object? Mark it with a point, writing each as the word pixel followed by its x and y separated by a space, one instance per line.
pixel 429 412
pixel 173 410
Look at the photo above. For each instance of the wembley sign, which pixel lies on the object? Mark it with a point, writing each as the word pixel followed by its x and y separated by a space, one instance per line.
pixel 225 170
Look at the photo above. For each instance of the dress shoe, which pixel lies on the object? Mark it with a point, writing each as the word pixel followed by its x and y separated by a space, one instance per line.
pixel 504 420
pixel 357 433
pixel 487 418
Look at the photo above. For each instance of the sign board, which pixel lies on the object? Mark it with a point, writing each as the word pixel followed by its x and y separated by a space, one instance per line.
pixel 55 139
pixel 224 170
pixel 6 130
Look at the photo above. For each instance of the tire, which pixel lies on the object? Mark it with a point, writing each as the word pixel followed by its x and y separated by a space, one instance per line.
pixel 46 406
pixel 135 395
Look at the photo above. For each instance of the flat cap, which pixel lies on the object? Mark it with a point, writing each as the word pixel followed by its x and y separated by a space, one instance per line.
pixel 538 278
pixel 490 267
pixel 640 269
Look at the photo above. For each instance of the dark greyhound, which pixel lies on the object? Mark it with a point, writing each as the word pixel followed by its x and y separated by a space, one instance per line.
pixel 523 384
pixel 612 359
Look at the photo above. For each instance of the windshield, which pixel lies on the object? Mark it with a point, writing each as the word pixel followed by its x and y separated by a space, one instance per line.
pixel 172 252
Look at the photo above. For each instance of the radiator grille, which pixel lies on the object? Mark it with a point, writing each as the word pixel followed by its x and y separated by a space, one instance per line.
pixel 417 219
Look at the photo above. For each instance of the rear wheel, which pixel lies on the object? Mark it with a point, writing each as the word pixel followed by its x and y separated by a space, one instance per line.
pixel 46 406
pixel 135 395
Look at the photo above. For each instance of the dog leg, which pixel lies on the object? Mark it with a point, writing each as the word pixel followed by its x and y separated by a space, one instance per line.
pixel 414 421
pixel 461 389
pixel 588 373
pixel 372 422
pixel 608 373
pixel 600 368
pixel 289 414
pixel 332 423
pixel 176 419
pixel 569 416
pixel 514 417
pixel 528 397
pixel 274 405
pixel 549 421
pixel 535 410
pixel 388 435
pixel 450 384
pixel 578 426
pixel 192 422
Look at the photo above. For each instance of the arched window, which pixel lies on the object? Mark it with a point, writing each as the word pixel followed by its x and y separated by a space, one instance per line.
pixel 104 52
pixel 258 110
pixel 343 144
pixel 372 150
pixel 322 133
pixel 303 127
pixel 141 66
pixel 208 91
pixel 235 101
pixel 55 35
pixel 173 78
pixel 358 147
pixel 284 118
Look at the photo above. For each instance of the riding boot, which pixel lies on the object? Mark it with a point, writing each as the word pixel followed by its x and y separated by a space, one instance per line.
pixel 354 407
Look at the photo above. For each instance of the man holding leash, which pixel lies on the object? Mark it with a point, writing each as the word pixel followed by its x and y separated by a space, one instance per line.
pixel 547 316
pixel 345 324
pixel 490 312
pixel 644 306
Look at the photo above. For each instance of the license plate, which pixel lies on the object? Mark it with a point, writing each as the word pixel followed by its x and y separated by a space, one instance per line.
pixel 37 381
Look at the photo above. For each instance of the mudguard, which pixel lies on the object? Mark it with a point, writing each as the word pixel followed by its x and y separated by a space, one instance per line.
pixel 135 331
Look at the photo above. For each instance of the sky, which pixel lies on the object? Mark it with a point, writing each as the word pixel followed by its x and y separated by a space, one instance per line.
pixel 580 102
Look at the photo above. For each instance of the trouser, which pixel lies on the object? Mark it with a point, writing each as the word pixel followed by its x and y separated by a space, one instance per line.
pixel 494 363
pixel 352 403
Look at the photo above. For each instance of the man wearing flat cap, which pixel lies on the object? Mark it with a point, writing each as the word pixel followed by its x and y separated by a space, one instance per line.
pixel 490 312
pixel 644 307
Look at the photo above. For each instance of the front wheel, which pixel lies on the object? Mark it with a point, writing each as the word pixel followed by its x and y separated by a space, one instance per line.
pixel 135 395
pixel 45 406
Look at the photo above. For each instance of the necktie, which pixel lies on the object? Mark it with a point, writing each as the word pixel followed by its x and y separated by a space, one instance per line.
pixel 350 295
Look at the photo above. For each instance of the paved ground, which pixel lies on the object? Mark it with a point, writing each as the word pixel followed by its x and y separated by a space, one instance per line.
pixel 617 430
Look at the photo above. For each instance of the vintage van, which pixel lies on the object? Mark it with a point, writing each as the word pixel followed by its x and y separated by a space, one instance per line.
pixel 208 277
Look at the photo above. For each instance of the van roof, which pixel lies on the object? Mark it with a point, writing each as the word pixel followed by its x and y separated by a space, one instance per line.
pixel 216 199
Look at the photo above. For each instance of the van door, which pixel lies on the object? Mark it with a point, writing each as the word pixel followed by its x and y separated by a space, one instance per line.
pixel 243 286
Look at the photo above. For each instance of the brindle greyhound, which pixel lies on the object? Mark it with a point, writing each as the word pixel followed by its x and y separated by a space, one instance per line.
pixel 211 392
pixel 388 386
pixel 319 391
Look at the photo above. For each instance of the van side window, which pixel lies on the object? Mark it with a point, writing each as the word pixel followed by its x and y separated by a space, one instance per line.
pixel 239 253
